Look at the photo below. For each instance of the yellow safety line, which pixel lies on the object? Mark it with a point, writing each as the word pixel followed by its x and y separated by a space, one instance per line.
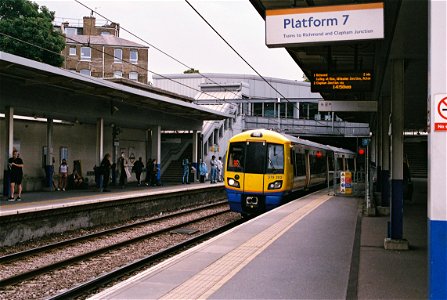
pixel 210 279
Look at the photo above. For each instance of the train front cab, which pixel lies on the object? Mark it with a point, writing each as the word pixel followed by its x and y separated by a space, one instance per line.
pixel 254 178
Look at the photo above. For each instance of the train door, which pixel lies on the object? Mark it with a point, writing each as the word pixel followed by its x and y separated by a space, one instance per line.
pixel 255 156
pixel 308 169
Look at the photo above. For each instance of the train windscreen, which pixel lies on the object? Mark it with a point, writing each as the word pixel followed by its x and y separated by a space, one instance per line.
pixel 236 157
pixel 256 158
pixel 275 159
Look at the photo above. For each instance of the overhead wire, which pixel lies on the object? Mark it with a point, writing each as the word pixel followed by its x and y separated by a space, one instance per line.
pixel 103 82
pixel 154 47
pixel 170 56
pixel 137 66
pixel 234 50
pixel 240 56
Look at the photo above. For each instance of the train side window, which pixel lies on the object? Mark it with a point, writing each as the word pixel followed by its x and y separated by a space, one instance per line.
pixel 300 169
pixel 331 162
pixel 340 166
pixel 292 158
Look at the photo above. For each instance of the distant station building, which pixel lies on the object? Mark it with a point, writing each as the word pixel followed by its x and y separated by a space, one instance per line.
pixel 98 51
pixel 282 105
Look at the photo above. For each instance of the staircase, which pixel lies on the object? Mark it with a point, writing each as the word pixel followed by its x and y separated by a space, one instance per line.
pixel 417 158
pixel 174 172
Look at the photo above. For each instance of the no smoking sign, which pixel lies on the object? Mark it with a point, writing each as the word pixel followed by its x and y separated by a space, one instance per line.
pixel 440 113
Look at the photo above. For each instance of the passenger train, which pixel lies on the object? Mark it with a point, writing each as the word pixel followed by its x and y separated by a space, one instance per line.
pixel 263 167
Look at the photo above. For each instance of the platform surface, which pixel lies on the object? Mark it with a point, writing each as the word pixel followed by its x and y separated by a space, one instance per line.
pixel 314 248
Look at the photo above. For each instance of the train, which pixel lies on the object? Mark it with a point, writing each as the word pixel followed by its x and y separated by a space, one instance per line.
pixel 263 167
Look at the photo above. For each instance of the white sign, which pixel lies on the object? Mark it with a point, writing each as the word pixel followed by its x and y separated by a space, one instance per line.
pixel 440 112
pixel 356 106
pixel 324 24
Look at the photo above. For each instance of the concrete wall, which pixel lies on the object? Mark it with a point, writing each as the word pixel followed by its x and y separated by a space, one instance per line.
pixel 26 226
pixel 80 139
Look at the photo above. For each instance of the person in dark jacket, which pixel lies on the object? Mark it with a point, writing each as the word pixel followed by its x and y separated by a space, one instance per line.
pixel 138 168
pixel 105 168
pixel 15 164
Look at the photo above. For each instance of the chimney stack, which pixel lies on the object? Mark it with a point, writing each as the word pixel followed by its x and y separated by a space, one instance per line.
pixel 89 26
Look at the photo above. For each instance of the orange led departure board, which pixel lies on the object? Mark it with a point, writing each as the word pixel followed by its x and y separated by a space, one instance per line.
pixel 341 82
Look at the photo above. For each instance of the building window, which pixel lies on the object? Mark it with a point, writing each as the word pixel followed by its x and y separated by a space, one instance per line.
pixel 105 33
pixel 86 53
pixel 257 109
pixel 117 74
pixel 133 56
pixel 70 31
pixel 269 110
pixel 85 72
pixel 133 75
pixel 118 54
pixel 72 50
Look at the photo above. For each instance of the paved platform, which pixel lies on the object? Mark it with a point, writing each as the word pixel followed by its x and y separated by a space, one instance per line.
pixel 43 200
pixel 385 274
pixel 319 247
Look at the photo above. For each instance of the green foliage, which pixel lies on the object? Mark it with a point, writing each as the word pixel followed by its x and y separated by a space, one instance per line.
pixel 27 30
pixel 190 71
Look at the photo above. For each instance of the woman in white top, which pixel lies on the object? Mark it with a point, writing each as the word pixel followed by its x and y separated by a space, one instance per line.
pixel 63 175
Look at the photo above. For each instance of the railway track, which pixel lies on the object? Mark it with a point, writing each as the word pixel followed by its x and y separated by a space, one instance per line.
pixel 108 250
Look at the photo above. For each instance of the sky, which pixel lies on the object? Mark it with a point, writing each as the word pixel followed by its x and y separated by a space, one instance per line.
pixel 175 28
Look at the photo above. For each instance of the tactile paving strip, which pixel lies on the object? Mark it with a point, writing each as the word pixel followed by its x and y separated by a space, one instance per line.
pixel 210 279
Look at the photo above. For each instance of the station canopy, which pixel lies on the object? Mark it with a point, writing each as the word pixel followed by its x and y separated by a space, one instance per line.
pixel 405 38
pixel 39 90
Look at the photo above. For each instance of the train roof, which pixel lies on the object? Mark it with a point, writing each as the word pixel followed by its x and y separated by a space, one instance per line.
pixel 341 150
pixel 279 136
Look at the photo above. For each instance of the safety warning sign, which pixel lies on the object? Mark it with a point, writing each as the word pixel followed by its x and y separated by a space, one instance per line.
pixel 440 112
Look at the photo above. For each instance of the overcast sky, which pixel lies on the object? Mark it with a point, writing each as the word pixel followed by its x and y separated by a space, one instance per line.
pixel 174 27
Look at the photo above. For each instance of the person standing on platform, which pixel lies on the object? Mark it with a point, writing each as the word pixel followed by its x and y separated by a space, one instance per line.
pixel 149 169
pixel 219 169
pixel 105 168
pixel 15 164
pixel 213 164
pixel 154 172
pixel 185 166
pixel 203 169
pixel 138 168
pixel 63 175
pixel 122 165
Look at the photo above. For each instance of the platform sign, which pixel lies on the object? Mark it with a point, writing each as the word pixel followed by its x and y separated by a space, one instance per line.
pixel 317 24
pixel 346 183
pixel 440 112
pixel 341 82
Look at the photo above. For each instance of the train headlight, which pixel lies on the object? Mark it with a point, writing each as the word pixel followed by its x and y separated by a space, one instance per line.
pixel 275 185
pixel 233 183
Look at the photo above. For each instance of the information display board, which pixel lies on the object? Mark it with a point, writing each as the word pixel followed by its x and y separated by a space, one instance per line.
pixel 342 82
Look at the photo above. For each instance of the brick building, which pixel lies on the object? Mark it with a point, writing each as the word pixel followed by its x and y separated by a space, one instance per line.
pixel 98 51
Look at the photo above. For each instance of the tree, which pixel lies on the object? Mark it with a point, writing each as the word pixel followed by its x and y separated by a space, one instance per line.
pixel 191 71
pixel 27 30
